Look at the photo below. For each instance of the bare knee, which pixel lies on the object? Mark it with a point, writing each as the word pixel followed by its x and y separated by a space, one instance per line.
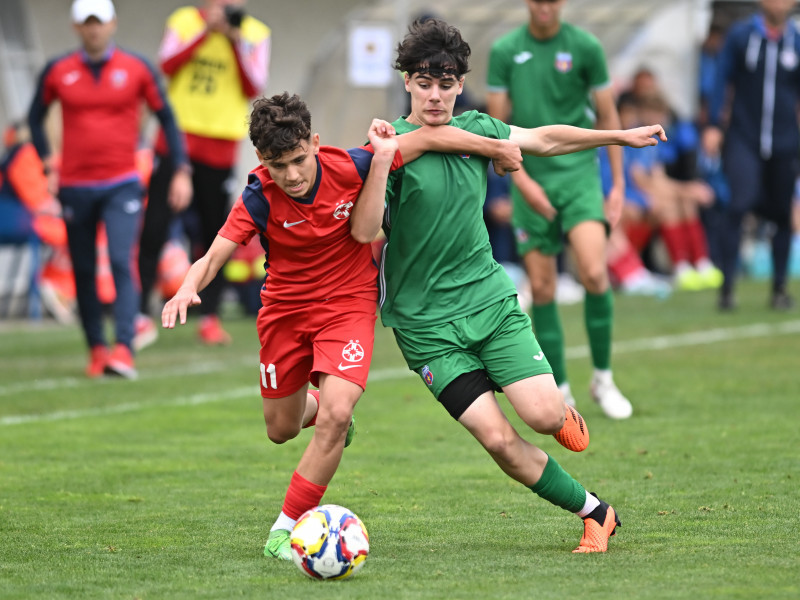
pixel 551 414
pixel 595 279
pixel 280 433
pixel 500 443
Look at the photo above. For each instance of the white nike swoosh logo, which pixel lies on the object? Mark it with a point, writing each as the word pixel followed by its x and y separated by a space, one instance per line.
pixel 539 356
pixel 344 368
pixel 522 57
pixel 287 224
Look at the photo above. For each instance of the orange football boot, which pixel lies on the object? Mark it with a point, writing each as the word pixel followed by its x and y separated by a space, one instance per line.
pixel 574 435
pixel 595 535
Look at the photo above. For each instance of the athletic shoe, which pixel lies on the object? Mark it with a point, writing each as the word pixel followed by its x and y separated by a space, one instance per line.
pixel 566 391
pixel 351 432
pixel 605 392
pixel 600 525
pixel 568 290
pixel 279 544
pixel 574 435
pixel 689 280
pixel 647 284
pixel 711 277
pixel 211 332
pixel 781 301
pixel 120 363
pixel 145 332
pixel 726 302
pixel 98 356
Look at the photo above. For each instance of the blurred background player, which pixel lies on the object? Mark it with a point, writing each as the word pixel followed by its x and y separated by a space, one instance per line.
pixel 547 72
pixel 317 323
pixel 101 89
pixel 760 64
pixel 216 58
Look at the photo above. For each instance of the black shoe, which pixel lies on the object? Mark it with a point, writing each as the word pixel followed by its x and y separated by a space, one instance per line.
pixel 781 301
pixel 726 302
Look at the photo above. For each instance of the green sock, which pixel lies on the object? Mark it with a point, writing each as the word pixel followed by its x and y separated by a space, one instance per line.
pixel 559 488
pixel 598 314
pixel 550 335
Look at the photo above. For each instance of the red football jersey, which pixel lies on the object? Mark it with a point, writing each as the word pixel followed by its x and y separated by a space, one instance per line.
pixel 102 112
pixel 310 254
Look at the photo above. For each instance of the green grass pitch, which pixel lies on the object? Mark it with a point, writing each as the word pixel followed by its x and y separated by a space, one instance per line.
pixel 166 487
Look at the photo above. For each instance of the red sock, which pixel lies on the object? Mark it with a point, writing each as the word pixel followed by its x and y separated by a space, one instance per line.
pixel 301 496
pixel 639 233
pixel 626 264
pixel 313 420
pixel 698 245
pixel 676 240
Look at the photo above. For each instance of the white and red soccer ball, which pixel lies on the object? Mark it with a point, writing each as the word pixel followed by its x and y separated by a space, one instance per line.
pixel 329 542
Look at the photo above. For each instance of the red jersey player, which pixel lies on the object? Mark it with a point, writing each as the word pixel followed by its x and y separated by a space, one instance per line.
pixel 320 293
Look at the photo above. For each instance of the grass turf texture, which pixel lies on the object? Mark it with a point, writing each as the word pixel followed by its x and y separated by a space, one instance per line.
pixel 166 487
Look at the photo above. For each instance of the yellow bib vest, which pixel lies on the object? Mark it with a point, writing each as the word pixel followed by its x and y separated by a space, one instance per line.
pixel 206 93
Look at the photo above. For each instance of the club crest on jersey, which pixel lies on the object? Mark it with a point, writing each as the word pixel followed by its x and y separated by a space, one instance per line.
pixel 465 156
pixel 521 235
pixel 119 77
pixel 353 351
pixel 427 375
pixel 343 210
pixel 563 62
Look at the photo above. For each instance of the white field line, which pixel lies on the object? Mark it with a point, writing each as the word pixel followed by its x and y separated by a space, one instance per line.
pixel 694 338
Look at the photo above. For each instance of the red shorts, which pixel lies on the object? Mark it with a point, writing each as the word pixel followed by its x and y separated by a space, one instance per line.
pixel 300 340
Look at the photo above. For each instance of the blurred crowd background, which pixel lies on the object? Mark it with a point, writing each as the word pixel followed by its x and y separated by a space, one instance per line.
pixel 337 55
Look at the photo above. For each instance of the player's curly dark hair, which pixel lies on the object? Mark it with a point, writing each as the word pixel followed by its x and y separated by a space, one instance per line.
pixel 278 124
pixel 434 47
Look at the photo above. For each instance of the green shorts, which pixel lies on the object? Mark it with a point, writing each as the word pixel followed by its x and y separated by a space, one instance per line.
pixel 577 200
pixel 498 339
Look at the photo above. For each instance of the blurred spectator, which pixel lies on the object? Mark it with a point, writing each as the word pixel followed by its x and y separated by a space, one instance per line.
pixel 28 212
pixel 544 72
pixel 101 89
pixel 708 71
pixel 655 200
pixel 216 58
pixel 759 65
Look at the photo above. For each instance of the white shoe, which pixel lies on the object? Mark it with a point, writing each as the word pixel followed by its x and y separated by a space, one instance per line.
pixel 568 290
pixel 607 395
pixel 145 332
pixel 565 390
pixel 647 284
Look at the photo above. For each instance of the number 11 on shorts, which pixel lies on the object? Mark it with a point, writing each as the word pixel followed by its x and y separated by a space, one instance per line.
pixel 273 381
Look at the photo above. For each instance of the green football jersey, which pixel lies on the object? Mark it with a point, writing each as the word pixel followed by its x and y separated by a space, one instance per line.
pixel 550 82
pixel 437 265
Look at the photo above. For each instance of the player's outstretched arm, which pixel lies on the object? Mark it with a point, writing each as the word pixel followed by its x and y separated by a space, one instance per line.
pixel 197 278
pixel 505 154
pixel 553 140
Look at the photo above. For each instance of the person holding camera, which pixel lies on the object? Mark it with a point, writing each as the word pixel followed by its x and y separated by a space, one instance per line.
pixel 216 58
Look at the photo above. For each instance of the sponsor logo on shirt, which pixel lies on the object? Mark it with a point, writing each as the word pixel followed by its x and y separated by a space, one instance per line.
pixel 563 62
pixel 343 210
pixel 523 57
pixel 71 78
pixel 286 224
pixel 119 77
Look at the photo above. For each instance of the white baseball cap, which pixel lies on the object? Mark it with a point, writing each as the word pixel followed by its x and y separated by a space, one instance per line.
pixel 83 9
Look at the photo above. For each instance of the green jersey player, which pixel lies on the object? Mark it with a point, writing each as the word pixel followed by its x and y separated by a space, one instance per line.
pixel 541 73
pixel 454 312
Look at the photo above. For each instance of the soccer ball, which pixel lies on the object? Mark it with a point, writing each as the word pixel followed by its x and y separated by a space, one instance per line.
pixel 329 542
